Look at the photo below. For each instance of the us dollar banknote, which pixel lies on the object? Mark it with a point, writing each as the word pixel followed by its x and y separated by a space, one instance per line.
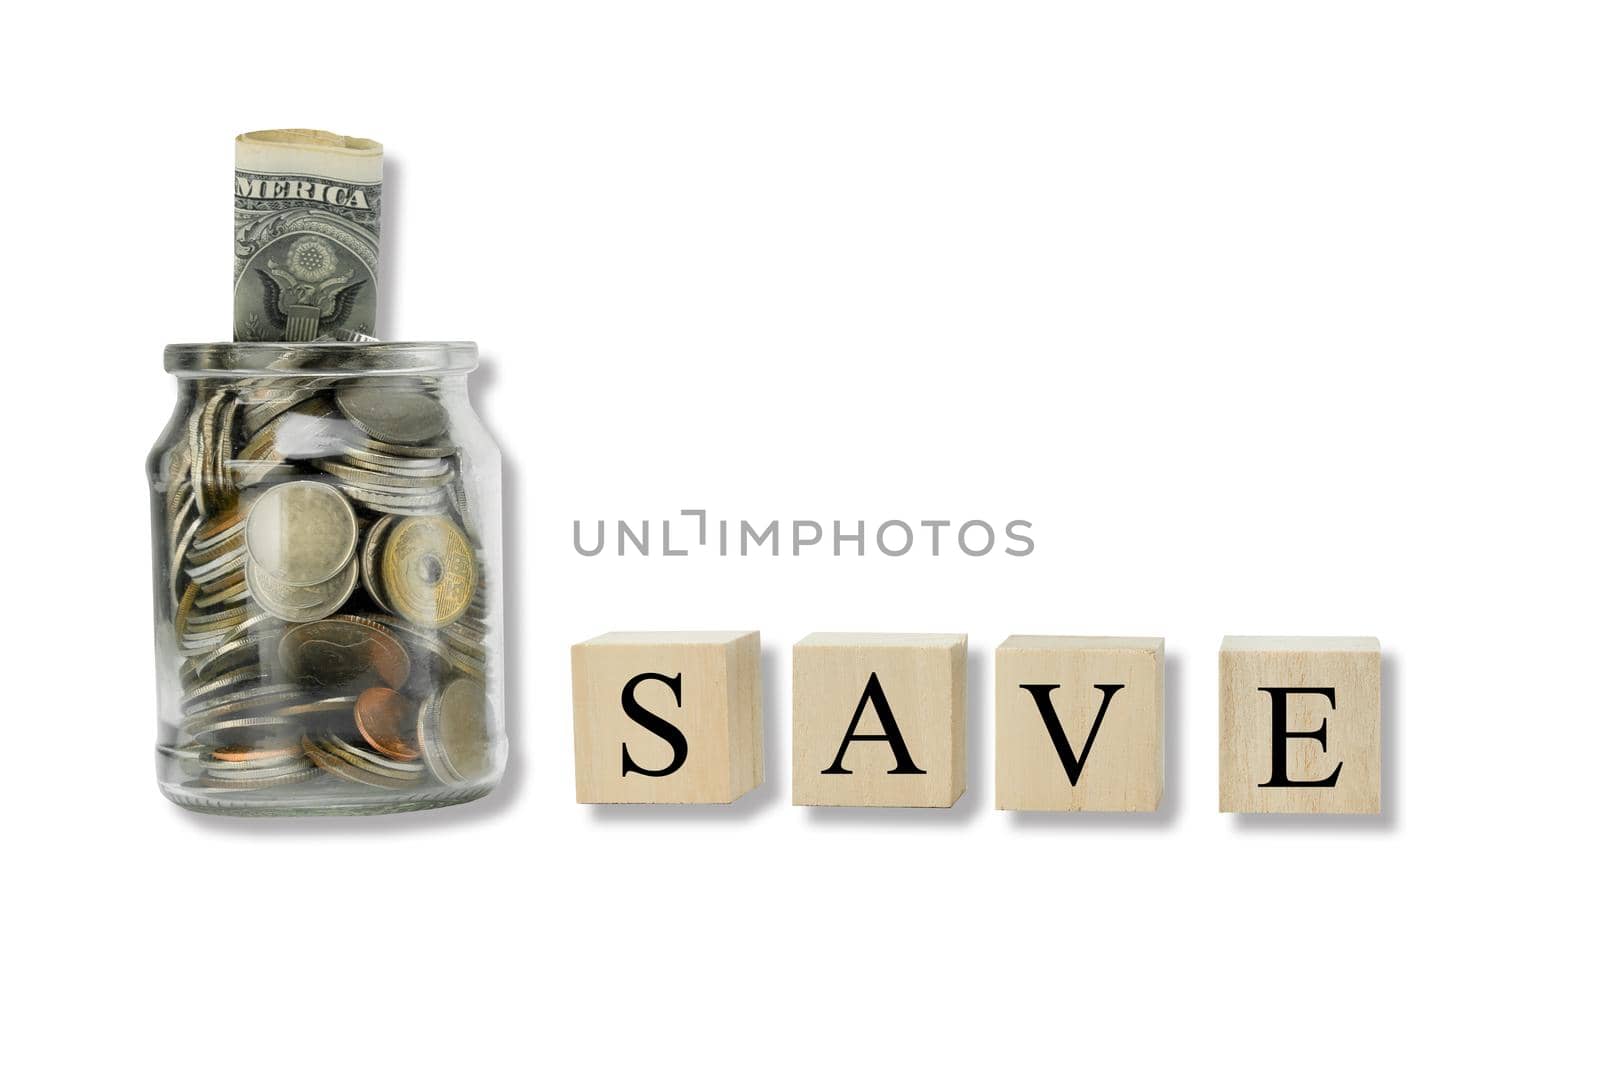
pixel 305 247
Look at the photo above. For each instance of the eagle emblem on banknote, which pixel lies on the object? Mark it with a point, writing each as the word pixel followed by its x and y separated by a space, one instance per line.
pixel 308 293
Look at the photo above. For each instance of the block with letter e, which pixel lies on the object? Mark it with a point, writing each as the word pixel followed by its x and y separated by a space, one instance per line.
pixel 880 720
pixel 1300 725
pixel 667 717
pixel 1080 723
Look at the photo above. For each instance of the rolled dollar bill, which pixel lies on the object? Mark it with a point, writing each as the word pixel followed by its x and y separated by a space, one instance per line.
pixel 305 242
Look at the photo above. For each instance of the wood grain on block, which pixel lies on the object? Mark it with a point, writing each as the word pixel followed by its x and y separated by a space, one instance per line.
pixel 1300 725
pixel 880 720
pixel 667 717
pixel 1080 723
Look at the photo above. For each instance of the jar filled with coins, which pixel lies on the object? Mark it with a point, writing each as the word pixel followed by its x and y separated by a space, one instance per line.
pixel 327 557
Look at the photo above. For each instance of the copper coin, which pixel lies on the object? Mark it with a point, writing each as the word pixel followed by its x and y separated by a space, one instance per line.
pixel 384 717
pixel 246 754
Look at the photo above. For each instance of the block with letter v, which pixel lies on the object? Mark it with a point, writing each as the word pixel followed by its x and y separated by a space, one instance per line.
pixel 1079 723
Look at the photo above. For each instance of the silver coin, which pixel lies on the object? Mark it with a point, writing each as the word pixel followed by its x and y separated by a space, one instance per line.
pixel 301 532
pixel 181 511
pixel 321 752
pixel 226 563
pixel 399 416
pixel 380 480
pixel 234 593
pixel 215 624
pixel 241 768
pixel 431 502
pixel 180 548
pixel 436 450
pixel 238 702
pixel 221 531
pixel 453 733
pixel 294 777
pixel 377 461
pixel 256 723
pixel 345 702
pixel 302 603
pixel 427 640
pixel 273 404
pixel 228 655
pixel 369 760
pixel 222 455
pixel 371 566
pixel 222 683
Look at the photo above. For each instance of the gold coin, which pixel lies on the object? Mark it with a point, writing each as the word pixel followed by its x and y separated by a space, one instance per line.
pixel 429 571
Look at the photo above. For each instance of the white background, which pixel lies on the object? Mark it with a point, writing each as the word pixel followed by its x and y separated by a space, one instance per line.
pixel 1273 318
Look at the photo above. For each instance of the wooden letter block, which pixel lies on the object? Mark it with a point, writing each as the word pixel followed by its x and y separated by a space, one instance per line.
pixel 880 720
pixel 667 718
pixel 1301 725
pixel 1079 723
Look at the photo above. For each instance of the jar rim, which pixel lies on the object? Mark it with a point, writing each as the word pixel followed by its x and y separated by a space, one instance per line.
pixel 268 359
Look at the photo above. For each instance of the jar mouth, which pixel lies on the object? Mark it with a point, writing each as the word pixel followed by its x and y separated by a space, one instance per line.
pixel 319 359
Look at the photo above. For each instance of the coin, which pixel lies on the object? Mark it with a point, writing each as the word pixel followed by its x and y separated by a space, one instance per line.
pixel 429 570
pixel 219 528
pixel 227 655
pixel 343 702
pixel 302 603
pixel 385 718
pixel 228 703
pixel 394 415
pixel 257 724
pixel 435 450
pixel 453 733
pixel 186 603
pixel 382 481
pixel 294 777
pixel 180 549
pixel 246 754
pixel 424 502
pixel 371 550
pixel 301 532
pixel 386 464
pixel 338 651
pixel 340 767
pixel 222 683
pixel 369 761
pixel 429 641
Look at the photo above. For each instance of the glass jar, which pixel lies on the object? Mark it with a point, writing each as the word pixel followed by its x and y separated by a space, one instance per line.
pixel 326 519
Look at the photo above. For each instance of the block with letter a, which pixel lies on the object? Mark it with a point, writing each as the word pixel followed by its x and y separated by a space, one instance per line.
pixel 880 720
pixel 1300 725
pixel 667 717
pixel 1079 723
